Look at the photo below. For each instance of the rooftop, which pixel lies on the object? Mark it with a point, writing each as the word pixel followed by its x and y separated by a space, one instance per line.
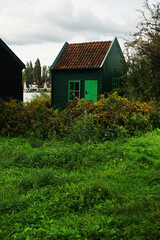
pixel 83 55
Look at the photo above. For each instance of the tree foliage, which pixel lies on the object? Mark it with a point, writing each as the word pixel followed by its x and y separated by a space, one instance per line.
pixel 46 74
pixel 28 72
pixel 36 73
pixel 142 67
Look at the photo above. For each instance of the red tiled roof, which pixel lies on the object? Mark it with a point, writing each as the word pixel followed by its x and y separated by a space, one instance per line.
pixel 83 55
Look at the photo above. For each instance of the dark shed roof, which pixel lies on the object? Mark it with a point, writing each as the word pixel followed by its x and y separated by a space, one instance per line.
pixel 82 55
pixel 12 54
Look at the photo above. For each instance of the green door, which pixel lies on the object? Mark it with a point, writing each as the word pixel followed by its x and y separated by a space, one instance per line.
pixel 91 90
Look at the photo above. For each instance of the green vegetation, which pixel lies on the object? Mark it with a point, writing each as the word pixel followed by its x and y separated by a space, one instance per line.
pixel 81 121
pixel 108 190
pixel 142 65
pixel 90 171
pixel 37 73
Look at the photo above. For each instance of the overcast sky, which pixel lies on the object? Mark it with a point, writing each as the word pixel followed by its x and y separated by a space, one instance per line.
pixel 39 28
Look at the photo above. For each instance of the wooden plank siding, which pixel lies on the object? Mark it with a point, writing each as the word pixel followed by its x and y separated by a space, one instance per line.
pixel 10 76
pixel 110 68
pixel 60 81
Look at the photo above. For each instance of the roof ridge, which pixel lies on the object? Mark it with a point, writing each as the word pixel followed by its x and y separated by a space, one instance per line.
pixel 11 53
pixel 109 41
pixel 84 55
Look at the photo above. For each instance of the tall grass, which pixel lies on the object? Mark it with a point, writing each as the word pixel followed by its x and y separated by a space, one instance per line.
pixel 59 190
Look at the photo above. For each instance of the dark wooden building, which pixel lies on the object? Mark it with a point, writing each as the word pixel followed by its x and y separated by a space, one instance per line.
pixel 10 74
pixel 85 70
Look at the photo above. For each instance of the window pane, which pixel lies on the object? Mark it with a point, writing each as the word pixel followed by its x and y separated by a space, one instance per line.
pixel 76 94
pixel 77 86
pixel 72 86
pixel 71 96
pixel 74 90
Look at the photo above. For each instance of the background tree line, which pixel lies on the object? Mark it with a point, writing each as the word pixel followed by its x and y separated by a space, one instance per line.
pixel 36 73
pixel 141 69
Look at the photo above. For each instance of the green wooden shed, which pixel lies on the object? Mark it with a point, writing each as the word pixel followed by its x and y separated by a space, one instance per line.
pixel 85 70
pixel 10 73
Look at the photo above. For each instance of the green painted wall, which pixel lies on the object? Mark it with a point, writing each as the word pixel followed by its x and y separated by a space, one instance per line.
pixel 103 75
pixel 110 66
pixel 60 81
pixel 10 76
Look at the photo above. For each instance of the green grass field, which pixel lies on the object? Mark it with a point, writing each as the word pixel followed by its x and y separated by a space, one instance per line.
pixel 58 190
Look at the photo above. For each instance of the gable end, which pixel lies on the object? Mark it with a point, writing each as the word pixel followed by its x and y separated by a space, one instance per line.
pixel 58 57
pixel 12 54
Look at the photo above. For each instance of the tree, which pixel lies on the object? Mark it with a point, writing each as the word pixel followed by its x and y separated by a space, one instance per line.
pixel 37 72
pixel 34 74
pixel 142 67
pixel 46 76
pixel 28 72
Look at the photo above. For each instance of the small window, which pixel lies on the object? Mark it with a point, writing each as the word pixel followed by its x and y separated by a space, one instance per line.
pixel 73 90
pixel 115 83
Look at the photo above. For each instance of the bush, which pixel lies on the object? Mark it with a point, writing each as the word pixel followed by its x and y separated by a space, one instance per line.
pixel 85 129
pixel 81 120
pixel 115 111
pixel 77 108
pixel 39 116
pixel 12 118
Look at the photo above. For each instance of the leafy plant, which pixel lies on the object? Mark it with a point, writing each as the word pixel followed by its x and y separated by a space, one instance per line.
pixel 141 71
pixel 82 120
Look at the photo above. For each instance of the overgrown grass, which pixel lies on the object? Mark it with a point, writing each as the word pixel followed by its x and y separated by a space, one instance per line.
pixel 57 190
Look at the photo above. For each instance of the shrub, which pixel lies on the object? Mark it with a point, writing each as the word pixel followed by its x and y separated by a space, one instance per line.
pixel 84 129
pixel 35 118
pixel 82 120
pixel 38 117
pixel 115 112
pixel 76 108
pixel 12 117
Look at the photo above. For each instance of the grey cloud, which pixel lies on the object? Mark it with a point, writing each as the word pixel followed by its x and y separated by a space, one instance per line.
pixel 87 22
pixel 59 21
